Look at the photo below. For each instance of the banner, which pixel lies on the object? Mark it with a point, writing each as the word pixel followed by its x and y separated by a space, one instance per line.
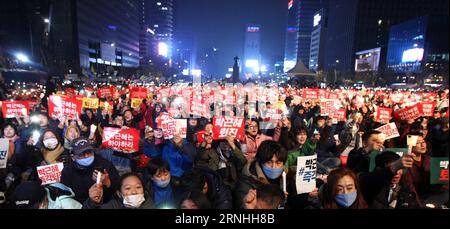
pixel 64 106
pixel 4 147
pixel 224 126
pixel 399 151
pixel 439 170
pixel 136 103
pixel 411 112
pixel 428 108
pixel 383 115
pixel 310 93
pixel 70 92
pixel 90 103
pixel 389 130
pixel 124 140
pixel 50 174
pixel 12 109
pixel 305 180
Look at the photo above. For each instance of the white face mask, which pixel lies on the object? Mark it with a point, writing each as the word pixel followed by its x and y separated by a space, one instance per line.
pixel 133 201
pixel 51 143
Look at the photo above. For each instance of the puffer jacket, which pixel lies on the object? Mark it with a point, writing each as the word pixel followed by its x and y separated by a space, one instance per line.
pixel 60 196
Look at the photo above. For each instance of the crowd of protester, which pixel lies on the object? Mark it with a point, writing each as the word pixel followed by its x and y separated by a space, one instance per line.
pixel 198 172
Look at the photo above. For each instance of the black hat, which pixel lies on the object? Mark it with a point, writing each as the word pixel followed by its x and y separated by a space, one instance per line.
pixel 81 145
pixel 28 195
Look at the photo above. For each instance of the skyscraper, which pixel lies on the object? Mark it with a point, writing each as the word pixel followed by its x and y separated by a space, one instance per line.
pixel 308 8
pixel 318 40
pixel 357 25
pixel 293 24
pixel 159 18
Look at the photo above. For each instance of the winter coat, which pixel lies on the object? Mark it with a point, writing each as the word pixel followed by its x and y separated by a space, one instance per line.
pixel 254 143
pixel 60 196
pixel 179 159
pixel 80 179
pixel 229 170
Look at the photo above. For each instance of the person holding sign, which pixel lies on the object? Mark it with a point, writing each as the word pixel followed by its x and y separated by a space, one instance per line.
pixel 84 169
pixel 130 195
pixel 223 157
pixel 267 168
pixel 359 159
pixel 342 191
pixel 384 188
pixel 52 152
pixel 418 176
pixel 254 138
pixel 179 153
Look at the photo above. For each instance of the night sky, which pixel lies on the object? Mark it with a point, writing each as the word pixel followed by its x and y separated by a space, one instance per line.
pixel 221 24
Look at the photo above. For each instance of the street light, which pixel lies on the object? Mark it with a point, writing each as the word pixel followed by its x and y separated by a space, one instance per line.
pixel 22 58
pixel 46 20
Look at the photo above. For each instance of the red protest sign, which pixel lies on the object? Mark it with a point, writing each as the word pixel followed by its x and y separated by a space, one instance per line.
pixel 12 109
pixel 340 114
pixel 389 130
pixel 63 106
pixel 407 113
pixel 310 93
pixel 126 141
pixel 383 115
pixel 50 174
pixel 224 126
pixel 105 92
pixel 139 93
pixel 428 108
pixel 198 108
pixel 273 114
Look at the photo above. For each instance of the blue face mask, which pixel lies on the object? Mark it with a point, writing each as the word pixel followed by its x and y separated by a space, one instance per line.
pixel 346 200
pixel 162 183
pixel 272 173
pixel 85 162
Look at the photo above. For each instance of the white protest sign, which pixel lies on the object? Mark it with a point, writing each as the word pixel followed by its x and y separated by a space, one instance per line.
pixel 181 127
pixel 389 130
pixel 50 174
pixel 306 174
pixel 4 146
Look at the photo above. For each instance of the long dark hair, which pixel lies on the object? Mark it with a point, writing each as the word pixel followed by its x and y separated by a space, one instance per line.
pixel 330 191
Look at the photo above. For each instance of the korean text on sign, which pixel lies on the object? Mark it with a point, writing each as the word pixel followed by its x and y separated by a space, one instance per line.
pixel 224 126
pixel 50 174
pixel 306 174
pixel 122 140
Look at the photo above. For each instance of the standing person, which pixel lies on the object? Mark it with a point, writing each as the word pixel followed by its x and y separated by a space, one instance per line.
pixel 82 172
pixel 342 191
pixel 130 195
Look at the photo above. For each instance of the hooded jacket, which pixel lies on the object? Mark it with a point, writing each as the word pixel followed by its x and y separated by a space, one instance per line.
pixel 60 196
